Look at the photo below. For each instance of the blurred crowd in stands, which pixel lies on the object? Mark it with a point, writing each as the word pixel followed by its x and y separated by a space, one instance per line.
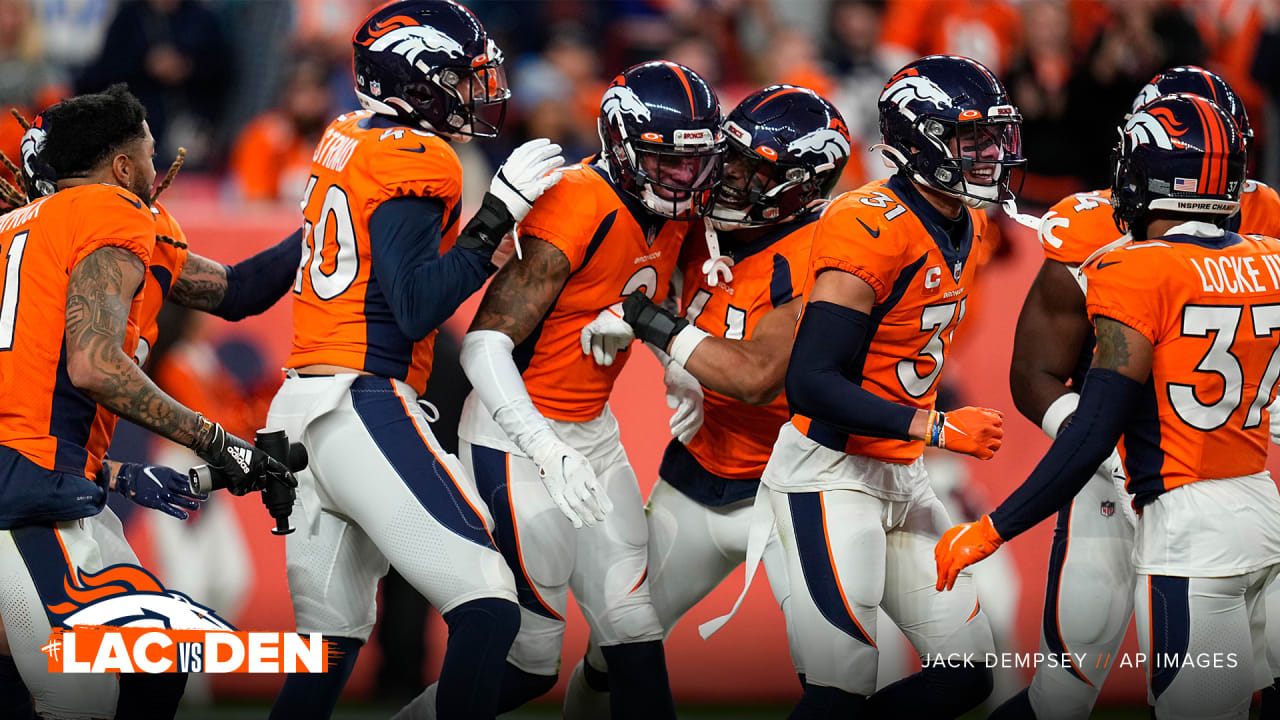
pixel 246 86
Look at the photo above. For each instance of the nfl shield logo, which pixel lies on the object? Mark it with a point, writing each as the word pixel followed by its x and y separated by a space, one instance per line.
pixel 1108 508
pixel 957 270
pixel 375 87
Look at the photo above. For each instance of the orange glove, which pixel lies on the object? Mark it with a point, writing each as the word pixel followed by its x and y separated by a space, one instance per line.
pixel 962 546
pixel 969 430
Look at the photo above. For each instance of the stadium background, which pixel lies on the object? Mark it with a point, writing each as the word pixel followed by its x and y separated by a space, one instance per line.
pixel 246 85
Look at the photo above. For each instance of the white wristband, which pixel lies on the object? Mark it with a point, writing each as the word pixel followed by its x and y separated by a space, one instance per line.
pixel 1058 411
pixel 685 341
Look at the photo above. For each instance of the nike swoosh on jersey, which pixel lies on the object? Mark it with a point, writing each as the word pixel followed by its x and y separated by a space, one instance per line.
pixel 872 233
pixel 419 149
pixel 1109 264
pixel 131 201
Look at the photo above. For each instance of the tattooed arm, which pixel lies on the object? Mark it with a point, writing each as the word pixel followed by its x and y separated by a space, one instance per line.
pixel 1114 386
pixel 99 293
pixel 247 288
pixel 201 285
pixel 1122 349
pixel 522 292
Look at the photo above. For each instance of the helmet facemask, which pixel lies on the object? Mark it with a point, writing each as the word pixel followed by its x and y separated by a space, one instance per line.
pixel 981 158
pixel 757 191
pixel 675 180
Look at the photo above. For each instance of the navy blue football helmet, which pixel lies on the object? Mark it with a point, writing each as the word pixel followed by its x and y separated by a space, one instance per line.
pixel 660 135
pixel 787 148
pixel 1178 153
pixel 948 123
pixel 1196 81
pixel 430 64
pixel 38 177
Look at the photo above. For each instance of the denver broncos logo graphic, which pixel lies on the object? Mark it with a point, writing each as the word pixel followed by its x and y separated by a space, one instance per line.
pixel 619 100
pixel 128 596
pixel 1148 93
pixel 907 88
pixel 32 144
pixel 1157 127
pixel 827 141
pixel 412 41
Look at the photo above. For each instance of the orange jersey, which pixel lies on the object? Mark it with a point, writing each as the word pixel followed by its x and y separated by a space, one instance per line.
pixel 736 438
pixel 1080 224
pixel 882 233
pixel 44 416
pixel 1215 325
pixel 167 260
pixel 340 312
pixel 614 247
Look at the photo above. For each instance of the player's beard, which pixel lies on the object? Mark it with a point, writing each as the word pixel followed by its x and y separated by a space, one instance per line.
pixel 143 190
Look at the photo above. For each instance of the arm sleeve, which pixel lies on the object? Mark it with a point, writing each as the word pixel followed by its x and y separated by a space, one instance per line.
pixel 828 337
pixel 486 359
pixel 255 284
pixel 422 286
pixel 1075 455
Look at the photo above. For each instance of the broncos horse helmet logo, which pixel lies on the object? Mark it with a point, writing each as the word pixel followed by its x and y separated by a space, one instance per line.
pixel 828 141
pixel 1156 127
pixel 38 173
pixel 129 596
pixel 908 88
pixel 621 100
pixel 412 41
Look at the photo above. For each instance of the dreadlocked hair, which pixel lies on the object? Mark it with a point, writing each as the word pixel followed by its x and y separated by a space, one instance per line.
pixel 169 176
pixel 17 115
pixel 18 184
pixel 171 241
pixel 11 194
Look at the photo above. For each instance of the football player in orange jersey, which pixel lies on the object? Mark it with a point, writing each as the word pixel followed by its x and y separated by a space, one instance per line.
pixel 889 275
pixel 786 149
pixel 1186 321
pixel 232 293
pixel 71 303
pixel 537 429
pixel 383 265
pixel 1089 592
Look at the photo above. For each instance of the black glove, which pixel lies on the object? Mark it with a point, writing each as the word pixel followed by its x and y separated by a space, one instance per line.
pixel 244 467
pixel 487 227
pixel 651 323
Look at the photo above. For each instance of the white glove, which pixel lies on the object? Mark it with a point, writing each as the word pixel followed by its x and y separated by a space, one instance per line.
pixel 572 484
pixel 526 174
pixel 684 395
pixel 603 337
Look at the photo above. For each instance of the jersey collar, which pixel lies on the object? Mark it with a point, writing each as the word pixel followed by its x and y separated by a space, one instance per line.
pixel 741 252
pixel 935 223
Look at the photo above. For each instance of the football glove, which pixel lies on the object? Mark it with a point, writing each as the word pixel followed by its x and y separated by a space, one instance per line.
pixel 684 395
pixel 527 172
pixel 159 488
pixel 603 337
pixel 962 546
pixel 969 430
pixel 572 484
pixel 243 467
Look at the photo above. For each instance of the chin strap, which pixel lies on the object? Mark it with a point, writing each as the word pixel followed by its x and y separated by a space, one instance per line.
pixel 716 265
pixel 1032 221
